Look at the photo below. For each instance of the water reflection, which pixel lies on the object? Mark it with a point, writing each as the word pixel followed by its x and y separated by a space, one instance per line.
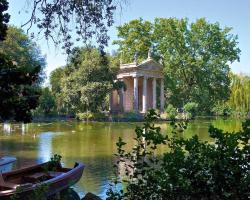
pixel 45 146
pixel 90 143
pixel 6 128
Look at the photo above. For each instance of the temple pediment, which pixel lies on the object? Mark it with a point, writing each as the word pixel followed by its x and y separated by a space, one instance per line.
pixel 151 65
pixel 148 64
pixel 148 67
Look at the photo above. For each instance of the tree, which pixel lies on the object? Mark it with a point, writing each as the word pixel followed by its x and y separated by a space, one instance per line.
pixel 23 52
pixel 89 18
pixel 4 18
pixel 46 101
pixel 196 57
pixel 86 81
pixel 239 99
pixel 190 109
pixel 134 37
pixel 21 73
pixel 55 80
pixel 56 88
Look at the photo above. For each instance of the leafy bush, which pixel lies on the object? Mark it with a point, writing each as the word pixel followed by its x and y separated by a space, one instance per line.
pixel 171 112
pixel 190 169
pixel 191 109
pixel 222 109
pixel 84 116
pixel 91 116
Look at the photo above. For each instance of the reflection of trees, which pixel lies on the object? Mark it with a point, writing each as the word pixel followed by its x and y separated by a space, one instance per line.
pixel 229 125
pixel 45 146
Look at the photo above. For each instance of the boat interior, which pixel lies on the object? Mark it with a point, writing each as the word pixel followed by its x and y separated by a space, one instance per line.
pixel 29 177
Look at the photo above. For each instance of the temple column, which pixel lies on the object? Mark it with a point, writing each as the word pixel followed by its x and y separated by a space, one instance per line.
pixel 154 93
pixel 136 100
pixel 144 95
pixel 162 95
pixel 111 101
pixel 121 96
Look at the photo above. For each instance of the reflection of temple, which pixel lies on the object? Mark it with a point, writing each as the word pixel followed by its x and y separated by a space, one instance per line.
pixel 141 80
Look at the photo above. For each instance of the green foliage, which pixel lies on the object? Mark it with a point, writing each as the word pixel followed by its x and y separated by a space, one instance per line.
pixel 55 159
pixel 136 164
pixel 17 195
pixel 171 112
pixel 4 18
pixel 222 109
pixel 191 108
pixel 196 56
pixel 54 162
pixel 46 101
pixel 189 169
pixel 135 36
pixel 85 116
pixel 55 19
pixel 239 99
pixel 22 51
pixel 21 73
pixel 84 83
pixel 93 94
pixel 55 80
pixel 40 192
pixel 56 77
pixel 91 116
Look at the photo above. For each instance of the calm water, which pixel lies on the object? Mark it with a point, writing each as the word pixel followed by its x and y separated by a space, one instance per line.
pixel 90 143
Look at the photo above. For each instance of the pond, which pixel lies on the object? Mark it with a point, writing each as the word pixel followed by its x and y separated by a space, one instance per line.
pixel 91 143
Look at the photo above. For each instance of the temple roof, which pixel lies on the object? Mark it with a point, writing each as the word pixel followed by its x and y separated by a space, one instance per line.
pixel 148 67
pixel 148 64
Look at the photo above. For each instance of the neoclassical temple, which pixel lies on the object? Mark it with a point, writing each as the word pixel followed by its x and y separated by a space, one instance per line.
pixel 141 81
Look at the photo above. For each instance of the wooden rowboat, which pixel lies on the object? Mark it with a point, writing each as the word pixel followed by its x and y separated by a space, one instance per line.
pixel 24 183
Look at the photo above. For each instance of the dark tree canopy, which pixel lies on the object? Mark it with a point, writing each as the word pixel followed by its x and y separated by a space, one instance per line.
pixel 4 18
pixel 60 20
pixel 21 73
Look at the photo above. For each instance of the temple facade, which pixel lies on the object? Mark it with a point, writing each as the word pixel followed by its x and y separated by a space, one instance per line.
pixel 141 80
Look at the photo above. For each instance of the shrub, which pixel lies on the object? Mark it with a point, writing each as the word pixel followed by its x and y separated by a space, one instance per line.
pixel 171 112
pixel 222 109
pixel 191 169
pixel 191 109
pixel 84 116
pixel 91 116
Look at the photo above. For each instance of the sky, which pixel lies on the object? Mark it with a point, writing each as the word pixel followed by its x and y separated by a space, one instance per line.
pixel 230 13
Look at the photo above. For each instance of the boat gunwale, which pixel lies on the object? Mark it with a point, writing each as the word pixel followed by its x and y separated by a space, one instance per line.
pixel 78 167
